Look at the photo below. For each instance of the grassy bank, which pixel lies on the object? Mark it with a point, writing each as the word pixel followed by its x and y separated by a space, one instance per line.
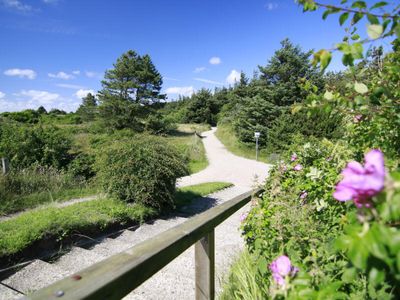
pixel 227 136
pixel 191 145
pixel 50 222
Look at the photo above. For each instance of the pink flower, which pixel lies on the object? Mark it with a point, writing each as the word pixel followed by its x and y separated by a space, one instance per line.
pixel 303 195
pixel 361 183
pixel 298 167
pixel 294 157
pixel 357 118
pixel 282 267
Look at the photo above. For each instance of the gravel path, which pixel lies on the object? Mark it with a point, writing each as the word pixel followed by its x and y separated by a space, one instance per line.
pixel 225 166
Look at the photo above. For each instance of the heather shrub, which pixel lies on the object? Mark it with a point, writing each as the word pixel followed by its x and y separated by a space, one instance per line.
pixel 143 170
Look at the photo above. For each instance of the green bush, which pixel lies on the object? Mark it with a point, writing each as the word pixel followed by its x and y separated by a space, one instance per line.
pixel 319 124
pixel 297 214
pixel 83 166
pixel 143 170
pixel 25 145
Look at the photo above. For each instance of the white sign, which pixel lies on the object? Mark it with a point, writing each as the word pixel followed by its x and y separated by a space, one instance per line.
pixel 257 134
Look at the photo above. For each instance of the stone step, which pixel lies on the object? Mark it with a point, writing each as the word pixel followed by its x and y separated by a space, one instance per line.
pixel 108 247
pixel 147 231
pixel 34 276
pixel 77 259
pixel 8 294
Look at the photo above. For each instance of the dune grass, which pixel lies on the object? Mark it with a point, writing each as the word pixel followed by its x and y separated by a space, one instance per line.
pixel 227 137
pixel 19 233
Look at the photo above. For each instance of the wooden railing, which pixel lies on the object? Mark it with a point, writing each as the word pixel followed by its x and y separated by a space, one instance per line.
pixel 118 275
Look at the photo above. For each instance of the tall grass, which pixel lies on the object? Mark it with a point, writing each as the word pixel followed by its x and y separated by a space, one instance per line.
pixel 36 185
pixel 241 282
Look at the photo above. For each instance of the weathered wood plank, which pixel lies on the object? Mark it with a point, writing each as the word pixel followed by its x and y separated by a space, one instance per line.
pixel 118 275
pixel 205 267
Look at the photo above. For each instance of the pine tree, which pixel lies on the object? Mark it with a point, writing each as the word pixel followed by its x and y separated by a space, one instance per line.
pixel 129 89
pixel 88 109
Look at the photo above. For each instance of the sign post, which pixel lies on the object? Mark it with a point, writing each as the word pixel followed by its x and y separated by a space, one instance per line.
pixel 257 136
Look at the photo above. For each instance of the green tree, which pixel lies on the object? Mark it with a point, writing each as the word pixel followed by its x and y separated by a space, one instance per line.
pixel 286 71
pixel 129 89
pixel 202 108
pixel 88 109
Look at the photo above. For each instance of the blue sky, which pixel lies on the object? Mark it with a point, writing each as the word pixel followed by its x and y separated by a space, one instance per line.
pixel 54 51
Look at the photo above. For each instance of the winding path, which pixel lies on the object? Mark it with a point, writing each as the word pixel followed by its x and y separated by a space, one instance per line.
pixel 225 166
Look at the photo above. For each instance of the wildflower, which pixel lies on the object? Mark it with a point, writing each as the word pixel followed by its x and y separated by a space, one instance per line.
pixel 294 157
pixel 361 183
pixel 281 268
pixel 329 158
pixel 243 217
pixel 298 167
pixel 357 118
pixel 303 195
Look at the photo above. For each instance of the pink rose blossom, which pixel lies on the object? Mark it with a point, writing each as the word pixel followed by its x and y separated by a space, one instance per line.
pixel 294 157
pixel 357 118
pixel 282 267
pixel 361 183
pixel 303 195
pixel 298 167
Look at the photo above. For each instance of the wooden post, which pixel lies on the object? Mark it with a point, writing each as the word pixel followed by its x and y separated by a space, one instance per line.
pixel 205 267
pixel 5 164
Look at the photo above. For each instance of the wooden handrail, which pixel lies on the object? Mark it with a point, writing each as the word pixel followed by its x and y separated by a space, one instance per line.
pixel 118 275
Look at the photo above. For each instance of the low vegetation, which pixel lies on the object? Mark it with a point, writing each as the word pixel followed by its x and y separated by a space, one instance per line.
pixel 85 218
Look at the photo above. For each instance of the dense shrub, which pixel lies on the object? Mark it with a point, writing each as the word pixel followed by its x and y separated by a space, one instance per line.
pixel 143 171
pixel 319 124
pixel 25 145
pixel 83 166
pixel 297 214
pixel 157 124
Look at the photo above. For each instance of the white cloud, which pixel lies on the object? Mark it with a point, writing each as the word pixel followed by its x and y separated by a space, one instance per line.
pixel 91 74
pixel 180 90
pixel 208 81
pixel 83 93
pixel 17 5
pixel 2 95
pixel 199 69
pixel 42 97
pixel 61 75
pixel 234 76
pixel 271 6
pixel 215 60
pixel 32 99
pixel 70 86
pixel 21 73
pixel 50 1
pixel 76 72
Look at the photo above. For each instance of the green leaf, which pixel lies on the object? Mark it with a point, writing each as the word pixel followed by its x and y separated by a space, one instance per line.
pixel 359 4
pixel 343 17
pixel 360 88
pixel 376 277
pixel 357 50
pixel 328 95
pixel 349 275
pixel 374 31
pixel 357 17
pixel 325 59
pixel 379 4
pixel 372 19
pixel 355 37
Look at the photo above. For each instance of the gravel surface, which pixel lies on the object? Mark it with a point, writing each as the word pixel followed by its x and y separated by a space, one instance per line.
pixel 225 166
